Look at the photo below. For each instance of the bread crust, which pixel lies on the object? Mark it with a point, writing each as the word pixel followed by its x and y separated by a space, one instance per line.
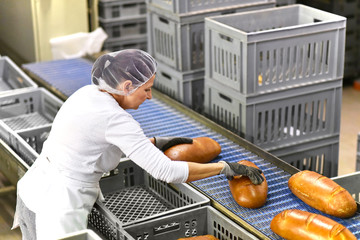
pixel 202 150
pixel 247 194
pixel 301 225
pixel 203 237
pixel 323 194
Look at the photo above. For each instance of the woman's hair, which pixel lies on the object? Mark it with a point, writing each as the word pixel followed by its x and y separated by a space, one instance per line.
pixel 111 69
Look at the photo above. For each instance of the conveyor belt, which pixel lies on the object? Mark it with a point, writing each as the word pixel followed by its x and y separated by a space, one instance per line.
pixel 158 119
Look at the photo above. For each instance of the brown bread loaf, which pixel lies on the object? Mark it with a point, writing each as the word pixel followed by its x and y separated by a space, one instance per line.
pixel 247 194
pixel 204 237
pixel 301 225
pixel 202 150
pixel 322 193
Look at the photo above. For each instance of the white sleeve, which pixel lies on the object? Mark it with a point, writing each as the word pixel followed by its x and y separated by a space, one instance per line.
pixel 124 132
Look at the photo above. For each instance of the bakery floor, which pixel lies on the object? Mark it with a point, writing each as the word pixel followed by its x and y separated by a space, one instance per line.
pixel 350 127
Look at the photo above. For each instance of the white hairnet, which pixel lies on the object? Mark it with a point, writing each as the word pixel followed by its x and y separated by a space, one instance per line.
pixel 111 69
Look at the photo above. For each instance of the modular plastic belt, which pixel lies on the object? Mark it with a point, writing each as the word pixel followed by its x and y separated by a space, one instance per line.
pixel 157 118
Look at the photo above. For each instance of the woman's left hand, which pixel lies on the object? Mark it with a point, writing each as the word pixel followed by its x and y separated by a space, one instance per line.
pixel 164 143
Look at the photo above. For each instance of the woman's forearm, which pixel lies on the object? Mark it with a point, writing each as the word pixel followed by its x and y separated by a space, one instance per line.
pixel 199 171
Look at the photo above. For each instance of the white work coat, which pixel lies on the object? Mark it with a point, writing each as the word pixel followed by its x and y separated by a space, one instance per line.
pixel 88 136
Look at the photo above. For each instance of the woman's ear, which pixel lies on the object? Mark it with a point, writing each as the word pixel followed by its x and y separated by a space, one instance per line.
pixel 127 86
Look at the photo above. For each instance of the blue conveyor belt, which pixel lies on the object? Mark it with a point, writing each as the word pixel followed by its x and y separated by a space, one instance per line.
pixel 158 119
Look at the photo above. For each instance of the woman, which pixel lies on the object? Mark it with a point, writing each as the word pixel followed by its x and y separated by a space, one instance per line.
pixel 89 134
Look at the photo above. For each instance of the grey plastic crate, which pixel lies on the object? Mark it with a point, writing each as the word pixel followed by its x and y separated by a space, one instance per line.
pixel 124 29
pixel 133 196
pixel 194 6
pixel 272 49
pixel 351 183
pixel 12 77
pixel 320 155
pixel 116 44
pixel 178 40
pixel 196 222
pixel 28 109
pixel 277 118
pixel 185 87
pixel 120 9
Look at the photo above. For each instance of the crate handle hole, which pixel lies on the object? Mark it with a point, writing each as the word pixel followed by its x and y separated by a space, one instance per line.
pixel 226 38
pixel 225 97
pixel 163 20
pixel 167 76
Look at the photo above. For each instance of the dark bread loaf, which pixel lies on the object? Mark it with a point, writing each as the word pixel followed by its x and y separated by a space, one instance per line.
pixel 247 194
pixel 202 150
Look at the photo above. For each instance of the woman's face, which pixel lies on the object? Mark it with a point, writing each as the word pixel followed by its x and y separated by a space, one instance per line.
pixel 134 100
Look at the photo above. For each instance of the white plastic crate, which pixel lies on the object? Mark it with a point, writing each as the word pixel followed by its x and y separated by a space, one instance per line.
pixel 133 196
pixel 185 87
pixel 194 6
pixel 178 40
pixel 278 118
pixel 120 9
pixel 271 49
pixel 320 155
pixel 124 29
pixel 196 222
pixel 86 234
pixel 12 77
pixel 116 44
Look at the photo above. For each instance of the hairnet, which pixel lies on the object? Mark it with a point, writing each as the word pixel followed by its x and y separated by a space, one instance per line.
pixel 111 69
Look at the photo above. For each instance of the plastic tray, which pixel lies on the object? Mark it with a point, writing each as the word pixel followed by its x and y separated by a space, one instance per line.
pixel 320 155
pixel 350 183
pixel 272 49
pixel 185 87
pixel 133 196
pixel 196 222
pixel 124 29
pixel 120 9
pixel 194 6
pixel 12 77
pixel 178 40
pixel 280 118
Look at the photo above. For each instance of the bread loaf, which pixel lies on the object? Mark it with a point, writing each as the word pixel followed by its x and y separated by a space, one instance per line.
pixel 322 193
pixel 247 194
pixel 204 237
pixel 301 225
pixel 202 150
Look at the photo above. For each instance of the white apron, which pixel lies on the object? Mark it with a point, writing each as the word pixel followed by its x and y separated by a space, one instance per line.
pixel 61 204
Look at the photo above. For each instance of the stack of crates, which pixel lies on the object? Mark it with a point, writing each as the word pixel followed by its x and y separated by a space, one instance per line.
pixel 176 40
pixel 274 77
pixel 125 23
pixel 351 10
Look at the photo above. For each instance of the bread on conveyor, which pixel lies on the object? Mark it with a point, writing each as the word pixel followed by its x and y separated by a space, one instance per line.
pixel 247 194
pixel 301 225
pixel 323 194
pixel 203 237
pixel 202 150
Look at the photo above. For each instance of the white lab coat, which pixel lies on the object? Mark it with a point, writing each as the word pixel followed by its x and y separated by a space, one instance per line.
pixel 88 137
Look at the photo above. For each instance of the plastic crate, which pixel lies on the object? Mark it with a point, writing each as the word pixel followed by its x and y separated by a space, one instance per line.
pixel 133 196
pixel 272 49
pixel 192 6
pixel 178 40
pixel 116 44
pixel 195 222
pixel 280 3
pixel 87 234
pixel 320 155
pixel 185 87
pixel 12 77
pixel 33 108
pixel 350 183
pixel 278 118
pixel 124 29
pixel 120 9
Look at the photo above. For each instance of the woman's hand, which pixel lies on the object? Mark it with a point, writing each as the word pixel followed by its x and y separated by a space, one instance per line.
pixel 164 143
pixel 232 169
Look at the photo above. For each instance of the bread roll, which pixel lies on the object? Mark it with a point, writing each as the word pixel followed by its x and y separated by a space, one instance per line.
pixel 323 194
pixel 204 237
pixel 301 225
pixel 202 150
pixel 247 194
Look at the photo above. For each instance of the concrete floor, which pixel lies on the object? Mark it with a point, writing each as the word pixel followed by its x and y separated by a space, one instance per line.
pixel 350 126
